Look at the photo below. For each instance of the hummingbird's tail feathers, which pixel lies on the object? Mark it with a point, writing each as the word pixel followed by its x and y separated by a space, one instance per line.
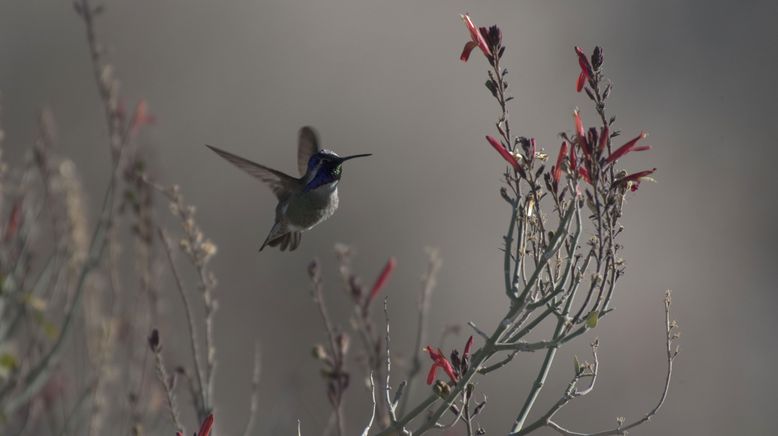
pixel 288 241
pixel 296 238
pixel 281 237
pixel 281 184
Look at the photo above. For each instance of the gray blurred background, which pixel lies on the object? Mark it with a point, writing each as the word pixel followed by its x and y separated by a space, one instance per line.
pixel 384 77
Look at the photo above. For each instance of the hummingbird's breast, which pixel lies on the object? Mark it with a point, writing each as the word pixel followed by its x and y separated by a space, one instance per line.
pixel 307 209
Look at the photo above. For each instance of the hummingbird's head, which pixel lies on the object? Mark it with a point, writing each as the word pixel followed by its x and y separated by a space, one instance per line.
pixel 325 167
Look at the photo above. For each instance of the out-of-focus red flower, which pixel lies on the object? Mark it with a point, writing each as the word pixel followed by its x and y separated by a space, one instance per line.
pixel 586 69
pixel 476 40
pixel 382 279
pixel 14 221
pixel 573 159
pixel 584 173
pixel 630 146
pixel 141 117
pixel 439 361
pixel 511 159
pixel 206 426
pixel 636 178
pixel 557 172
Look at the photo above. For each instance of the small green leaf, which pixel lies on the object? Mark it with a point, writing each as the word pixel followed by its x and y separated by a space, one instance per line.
pixel 591 320
pixel 50 329
pixel 8 361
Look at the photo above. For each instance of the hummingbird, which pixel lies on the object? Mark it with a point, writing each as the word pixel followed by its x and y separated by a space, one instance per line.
pixel 303 202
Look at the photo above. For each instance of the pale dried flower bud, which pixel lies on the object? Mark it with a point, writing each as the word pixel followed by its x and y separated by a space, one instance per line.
pixel 208 248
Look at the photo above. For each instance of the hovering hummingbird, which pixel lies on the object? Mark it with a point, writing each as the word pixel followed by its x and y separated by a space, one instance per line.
pixel 302 202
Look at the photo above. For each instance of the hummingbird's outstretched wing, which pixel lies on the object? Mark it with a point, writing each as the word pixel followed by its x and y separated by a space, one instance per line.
pixel 281 184
pixel 307 146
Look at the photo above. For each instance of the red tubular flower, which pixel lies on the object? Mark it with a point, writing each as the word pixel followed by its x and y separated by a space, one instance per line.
pixel 626 148
pixel 505 154
pixel 382 279
pixel 584 173
pixel 557 172
pixel 476 40
pixel 586 69
pixel 439 361
pixel 573 160
pixel 579 128
pixel 636 178
pixel 207 425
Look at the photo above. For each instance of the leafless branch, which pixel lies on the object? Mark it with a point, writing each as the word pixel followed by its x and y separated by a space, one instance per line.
pixel 254 405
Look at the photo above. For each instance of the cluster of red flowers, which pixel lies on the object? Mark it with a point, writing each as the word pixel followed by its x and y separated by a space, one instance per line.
pixel 591 143
pixel 454 368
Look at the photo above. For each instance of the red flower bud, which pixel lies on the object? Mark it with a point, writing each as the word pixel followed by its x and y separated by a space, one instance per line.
pixel 579 84
pixel 468 346
pixel 505 154
pixel 382 279
pixel 557 172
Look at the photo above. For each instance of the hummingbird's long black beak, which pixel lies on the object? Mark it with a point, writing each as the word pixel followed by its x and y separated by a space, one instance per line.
pixel 353 156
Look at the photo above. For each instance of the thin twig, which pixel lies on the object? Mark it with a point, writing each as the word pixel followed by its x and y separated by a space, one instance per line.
pixel 166 381
pixel 254 405
pixel 366 431
pixel 192 330
pixel 429 281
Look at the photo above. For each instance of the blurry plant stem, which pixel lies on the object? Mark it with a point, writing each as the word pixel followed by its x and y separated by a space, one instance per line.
pixel 167 386
pixel 254 402
pixel 37 377
pixel 335 350
pixel 199 400
pixel 428 285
